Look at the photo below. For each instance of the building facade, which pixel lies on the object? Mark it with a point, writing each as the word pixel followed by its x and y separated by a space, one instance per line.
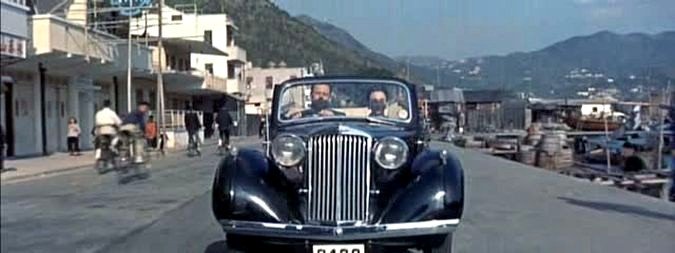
pixel 201 62
pixel 69 69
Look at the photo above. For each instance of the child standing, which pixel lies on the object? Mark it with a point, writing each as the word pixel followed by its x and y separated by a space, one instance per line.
pixel 73 137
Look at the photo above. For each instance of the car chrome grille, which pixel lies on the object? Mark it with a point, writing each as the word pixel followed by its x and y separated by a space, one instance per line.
pixel 338 178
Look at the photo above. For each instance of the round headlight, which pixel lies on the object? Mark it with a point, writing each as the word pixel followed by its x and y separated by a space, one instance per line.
pixel 288 150
pixel 391 153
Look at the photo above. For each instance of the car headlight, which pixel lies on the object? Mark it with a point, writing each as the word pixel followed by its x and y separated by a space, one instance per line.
pixel 288 150
pixel 391 153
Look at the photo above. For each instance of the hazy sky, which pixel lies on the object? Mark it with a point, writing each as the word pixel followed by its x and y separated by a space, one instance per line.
pixel 455 29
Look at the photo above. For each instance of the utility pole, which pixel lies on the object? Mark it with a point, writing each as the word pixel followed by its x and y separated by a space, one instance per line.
pixel 659 150
pixel 129 60
pixel 160 81
pixel 607 151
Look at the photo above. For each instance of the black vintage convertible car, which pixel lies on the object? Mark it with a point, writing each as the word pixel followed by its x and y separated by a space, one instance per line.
pixel 346 168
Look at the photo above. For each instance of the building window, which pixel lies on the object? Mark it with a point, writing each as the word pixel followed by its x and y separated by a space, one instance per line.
pixel 269 82
pixel 176 17
pixel 249 80
pixel 209 68
pixel 181 65
pixel 230 71
pixel 208 37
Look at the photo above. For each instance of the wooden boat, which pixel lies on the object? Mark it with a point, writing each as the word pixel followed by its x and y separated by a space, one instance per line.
pixel 592 124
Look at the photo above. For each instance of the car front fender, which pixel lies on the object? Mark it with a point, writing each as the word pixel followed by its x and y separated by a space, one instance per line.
pixel 240 191
pixel 435 193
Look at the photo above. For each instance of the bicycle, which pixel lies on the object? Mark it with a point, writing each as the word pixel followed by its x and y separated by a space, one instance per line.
pixel 193 145
pixel 106 156
pixel 224 142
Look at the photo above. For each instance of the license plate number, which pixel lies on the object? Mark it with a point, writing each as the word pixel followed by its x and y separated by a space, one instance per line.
pixel 339 248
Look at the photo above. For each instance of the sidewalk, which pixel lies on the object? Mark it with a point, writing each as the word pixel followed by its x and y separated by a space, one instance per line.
pixel 62 162
pixel 44 165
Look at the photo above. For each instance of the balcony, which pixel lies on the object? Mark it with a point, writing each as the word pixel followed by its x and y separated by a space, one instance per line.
pixel 236 54
pixel 54 34
pixel 65 47
pixel 193 82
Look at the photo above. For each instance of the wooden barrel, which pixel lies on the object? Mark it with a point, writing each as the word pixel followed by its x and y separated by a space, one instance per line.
pixel 527 155
pixel 564 158
pixel 550 143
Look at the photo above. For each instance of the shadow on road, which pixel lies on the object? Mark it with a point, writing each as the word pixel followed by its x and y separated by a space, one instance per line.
pixel 619 208
pixel 217 247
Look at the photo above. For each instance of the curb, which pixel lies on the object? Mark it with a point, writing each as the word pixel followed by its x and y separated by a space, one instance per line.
pixel 89 165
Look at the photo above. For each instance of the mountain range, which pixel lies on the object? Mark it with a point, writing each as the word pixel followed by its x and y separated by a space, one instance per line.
pixel 602 59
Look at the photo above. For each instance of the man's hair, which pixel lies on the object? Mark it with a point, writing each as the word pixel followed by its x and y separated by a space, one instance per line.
pixel 151 117
pixel 330 89
pixel 143 103
pixel 106 103
pixel 376 89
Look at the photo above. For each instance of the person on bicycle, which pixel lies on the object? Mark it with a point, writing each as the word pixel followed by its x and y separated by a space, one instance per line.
pixel 192 126
pixel 134 126
pixel 225 123
pixel 105 127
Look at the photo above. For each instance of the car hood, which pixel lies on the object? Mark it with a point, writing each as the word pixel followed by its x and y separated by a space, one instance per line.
pixel 376 130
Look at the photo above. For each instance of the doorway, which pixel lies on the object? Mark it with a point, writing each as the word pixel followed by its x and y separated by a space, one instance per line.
pixel 8 105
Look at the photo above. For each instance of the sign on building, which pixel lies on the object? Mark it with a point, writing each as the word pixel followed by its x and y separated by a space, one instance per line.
pixel 130 9
pixel 12 46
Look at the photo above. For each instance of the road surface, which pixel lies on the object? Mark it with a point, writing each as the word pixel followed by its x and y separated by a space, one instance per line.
pixel 510 208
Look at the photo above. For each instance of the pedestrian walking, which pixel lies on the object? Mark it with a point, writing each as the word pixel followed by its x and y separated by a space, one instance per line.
pixel 151 132
pixel 74 132
pixel 192 126
pixel 225 124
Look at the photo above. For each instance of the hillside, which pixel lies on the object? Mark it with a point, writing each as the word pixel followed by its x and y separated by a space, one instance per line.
pixel 603 59
pixel 270 34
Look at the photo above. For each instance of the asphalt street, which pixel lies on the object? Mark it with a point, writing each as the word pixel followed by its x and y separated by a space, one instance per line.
pixel 510 208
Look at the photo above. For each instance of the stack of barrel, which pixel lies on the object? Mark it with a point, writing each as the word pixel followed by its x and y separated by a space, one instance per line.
pixel 553 152
pixel 528 153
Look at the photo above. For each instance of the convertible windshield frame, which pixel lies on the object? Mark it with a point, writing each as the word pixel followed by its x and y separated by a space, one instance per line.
pixel 292 84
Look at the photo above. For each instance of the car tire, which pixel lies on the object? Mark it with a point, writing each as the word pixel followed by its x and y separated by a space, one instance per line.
pixel 445 247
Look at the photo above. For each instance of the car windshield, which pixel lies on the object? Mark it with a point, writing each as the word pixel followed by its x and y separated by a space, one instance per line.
pixel 361 100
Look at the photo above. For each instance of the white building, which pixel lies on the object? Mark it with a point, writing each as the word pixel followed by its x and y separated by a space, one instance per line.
pixel 202 63
pixel 261 82
pixel 69 70
pixel 13 38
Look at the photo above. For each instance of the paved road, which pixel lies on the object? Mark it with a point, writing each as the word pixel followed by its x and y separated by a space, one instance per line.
pixel 84 212
pixel 510 208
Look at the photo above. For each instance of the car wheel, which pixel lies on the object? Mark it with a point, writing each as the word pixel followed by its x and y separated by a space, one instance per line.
pixel 445 247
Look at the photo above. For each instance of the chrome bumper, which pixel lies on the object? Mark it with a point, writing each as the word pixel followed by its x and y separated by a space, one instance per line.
pixel 340 233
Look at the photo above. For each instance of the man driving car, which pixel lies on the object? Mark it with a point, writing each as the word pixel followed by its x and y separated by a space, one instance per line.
pixel 321 104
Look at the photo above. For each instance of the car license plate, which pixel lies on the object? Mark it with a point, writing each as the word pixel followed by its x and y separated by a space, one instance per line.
pixel 339 248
